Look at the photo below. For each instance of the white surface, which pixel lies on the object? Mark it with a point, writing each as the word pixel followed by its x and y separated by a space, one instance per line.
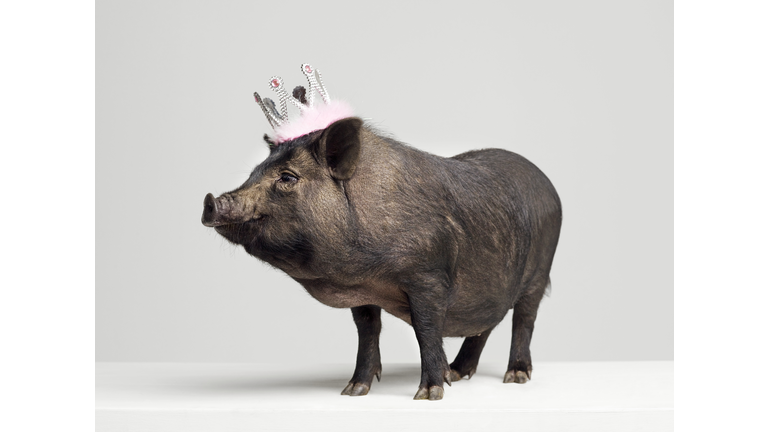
pixel 576 396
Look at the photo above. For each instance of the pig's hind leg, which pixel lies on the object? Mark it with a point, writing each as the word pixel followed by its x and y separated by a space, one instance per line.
pixel 368 321
pixel 466 360
pixel 523 316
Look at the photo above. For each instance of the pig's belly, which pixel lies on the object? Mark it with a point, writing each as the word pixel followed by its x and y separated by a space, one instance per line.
pixel 470 315
pixel 462 319
pixel 456 325
pixel 464 325
pixel 388 297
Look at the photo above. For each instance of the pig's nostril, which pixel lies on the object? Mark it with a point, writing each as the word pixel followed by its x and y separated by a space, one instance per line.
pixel 209 210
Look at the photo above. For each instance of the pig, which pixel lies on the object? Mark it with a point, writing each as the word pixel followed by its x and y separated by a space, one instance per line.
pixel 362 221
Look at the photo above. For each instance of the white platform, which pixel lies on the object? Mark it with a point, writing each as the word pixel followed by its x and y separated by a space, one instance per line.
pixel 589 396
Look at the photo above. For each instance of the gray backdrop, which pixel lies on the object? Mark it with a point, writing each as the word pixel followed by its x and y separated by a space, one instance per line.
pixel 583 89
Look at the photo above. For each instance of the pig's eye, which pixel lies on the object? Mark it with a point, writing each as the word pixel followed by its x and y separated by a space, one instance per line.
pixel 287 178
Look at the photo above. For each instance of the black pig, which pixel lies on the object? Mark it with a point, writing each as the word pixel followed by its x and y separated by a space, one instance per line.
pixel 448 245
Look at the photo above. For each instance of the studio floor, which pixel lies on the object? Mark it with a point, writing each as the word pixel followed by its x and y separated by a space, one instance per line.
pixel 562 396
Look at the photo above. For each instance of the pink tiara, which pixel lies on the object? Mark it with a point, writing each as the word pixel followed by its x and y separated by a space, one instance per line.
pixel 312 117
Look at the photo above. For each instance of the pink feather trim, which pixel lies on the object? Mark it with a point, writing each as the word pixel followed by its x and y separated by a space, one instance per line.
pixel 312 119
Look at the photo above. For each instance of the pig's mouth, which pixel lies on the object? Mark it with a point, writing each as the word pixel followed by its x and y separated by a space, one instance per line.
pixel 242 233
pixel 228 226
pixel 254 220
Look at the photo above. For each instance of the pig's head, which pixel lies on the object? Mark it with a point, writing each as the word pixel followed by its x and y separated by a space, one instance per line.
pixel 293 206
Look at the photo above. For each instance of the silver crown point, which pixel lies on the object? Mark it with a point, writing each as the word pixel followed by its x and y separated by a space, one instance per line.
pixel 277 118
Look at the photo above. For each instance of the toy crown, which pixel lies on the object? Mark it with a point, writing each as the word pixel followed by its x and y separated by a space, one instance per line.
pixel 312 117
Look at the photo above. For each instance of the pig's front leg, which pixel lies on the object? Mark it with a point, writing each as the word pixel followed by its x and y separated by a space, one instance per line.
pixel 428 306
pixel 368 321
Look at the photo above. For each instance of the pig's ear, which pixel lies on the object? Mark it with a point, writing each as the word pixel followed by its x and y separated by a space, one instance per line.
pixel 339 146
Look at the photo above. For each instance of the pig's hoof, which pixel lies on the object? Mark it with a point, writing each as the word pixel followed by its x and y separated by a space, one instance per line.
pixel 519 377
pixel 355 389
pixel 456 375
pixel 434 393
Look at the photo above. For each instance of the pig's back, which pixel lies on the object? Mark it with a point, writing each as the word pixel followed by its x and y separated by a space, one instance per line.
pixel 518 176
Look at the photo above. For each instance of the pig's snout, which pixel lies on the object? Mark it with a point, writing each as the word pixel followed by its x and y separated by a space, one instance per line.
pixel 211 211
pixel 228 209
